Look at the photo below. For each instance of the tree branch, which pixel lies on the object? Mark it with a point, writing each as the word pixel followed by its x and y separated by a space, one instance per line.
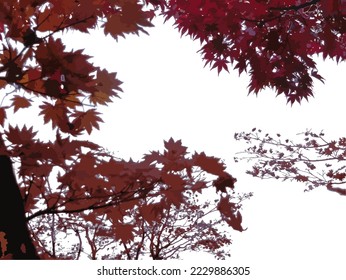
pixel 340 191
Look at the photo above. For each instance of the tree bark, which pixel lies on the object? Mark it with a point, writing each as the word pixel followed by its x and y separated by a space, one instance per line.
pixel 12 216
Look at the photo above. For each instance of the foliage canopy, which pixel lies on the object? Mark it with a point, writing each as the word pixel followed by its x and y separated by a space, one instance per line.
pixel 97 195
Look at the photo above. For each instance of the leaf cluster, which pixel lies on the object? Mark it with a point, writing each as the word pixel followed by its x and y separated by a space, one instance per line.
pixel 75 185
pixel 34 60
pixel 274 41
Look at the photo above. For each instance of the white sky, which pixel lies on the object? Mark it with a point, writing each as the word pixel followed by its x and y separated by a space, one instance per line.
pixel 168 93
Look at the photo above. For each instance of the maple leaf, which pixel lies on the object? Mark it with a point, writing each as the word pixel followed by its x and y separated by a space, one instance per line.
pixel 150 212
pixel 19 136
pixel 3 84
pixel 220 65
pixel 173 180
pixel 86 120
pixel 111 168
pixel 2 115
pixel 199 186
pixel 57 114
pixel 70 100
pixel 129 19
pixel 210 164
pixel 20 102
pixel 48 20
pixel 106 84
pixel 174 197
pixel 123 232
pixel 223 182
pixel 175 148
pixel 229 211
pixel 32 79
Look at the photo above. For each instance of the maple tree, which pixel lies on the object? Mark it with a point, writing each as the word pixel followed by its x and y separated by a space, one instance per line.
pixel 313 160
pixel 98 193
pixel 68 184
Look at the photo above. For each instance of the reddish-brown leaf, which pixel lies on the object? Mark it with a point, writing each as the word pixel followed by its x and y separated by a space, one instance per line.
pixel 174 181
pixel 224 182
pixel 175 148
pixel 211 165
pixel 2 115
pixel 87 120
pixel 150 213
pixel 20 136
pixel 130 19
pixel 230 213
pixel 106 84
pixel 174 197
pixel 3 83
pixel 57 114
pixel 123 232
pixel 19 102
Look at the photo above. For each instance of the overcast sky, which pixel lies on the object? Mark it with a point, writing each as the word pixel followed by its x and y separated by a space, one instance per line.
pixel 168 93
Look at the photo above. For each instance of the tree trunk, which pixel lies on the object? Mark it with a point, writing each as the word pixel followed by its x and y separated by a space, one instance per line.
pixel 13 224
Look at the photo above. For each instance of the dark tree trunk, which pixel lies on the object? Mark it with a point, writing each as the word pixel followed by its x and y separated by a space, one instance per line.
pixel 12 215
